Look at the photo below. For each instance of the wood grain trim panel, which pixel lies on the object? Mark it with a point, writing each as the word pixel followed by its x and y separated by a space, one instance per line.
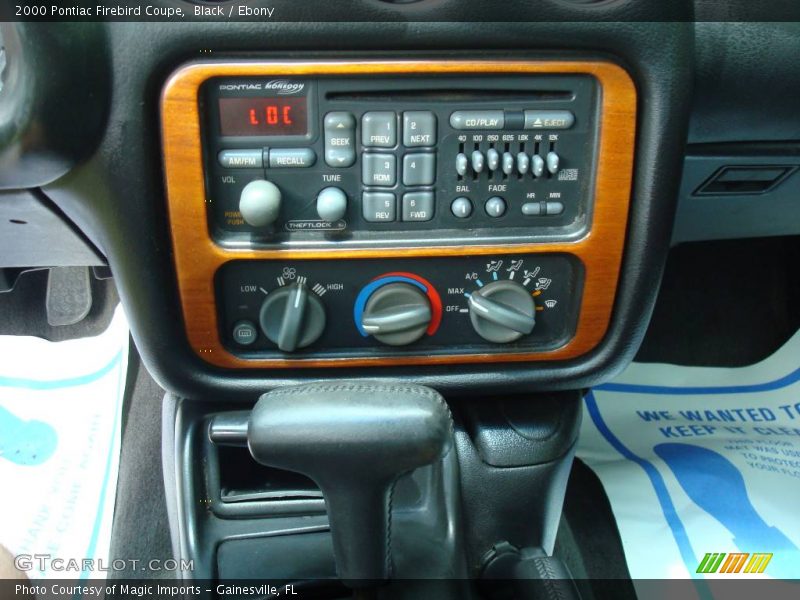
pixel 197 257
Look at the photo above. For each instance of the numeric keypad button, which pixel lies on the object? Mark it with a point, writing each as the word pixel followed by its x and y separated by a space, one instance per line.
pixel 419 169
pixel 379 129
pixel 378 169
pixel 419 128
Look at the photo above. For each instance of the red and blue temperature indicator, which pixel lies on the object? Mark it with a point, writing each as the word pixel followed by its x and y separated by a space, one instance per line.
pixel 399 277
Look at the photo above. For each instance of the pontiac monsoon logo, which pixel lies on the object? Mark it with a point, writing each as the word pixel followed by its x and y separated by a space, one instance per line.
pixel 735 562
pixel 283 87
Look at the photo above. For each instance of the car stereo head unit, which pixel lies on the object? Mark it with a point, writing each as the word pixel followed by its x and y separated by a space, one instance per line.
pixel 346 158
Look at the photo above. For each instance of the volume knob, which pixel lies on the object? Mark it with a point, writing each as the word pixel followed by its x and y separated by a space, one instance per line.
pixel 502 311
pixel 260 203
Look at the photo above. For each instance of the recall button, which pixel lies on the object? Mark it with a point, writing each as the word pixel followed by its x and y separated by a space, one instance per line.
pixel 241 159
pixel 291 157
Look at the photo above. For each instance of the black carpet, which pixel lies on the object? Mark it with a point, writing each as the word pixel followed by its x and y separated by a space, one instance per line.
pixel 140 530
pixel 588 540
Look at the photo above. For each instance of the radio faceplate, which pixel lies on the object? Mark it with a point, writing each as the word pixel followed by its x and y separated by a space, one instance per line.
pixel 451 157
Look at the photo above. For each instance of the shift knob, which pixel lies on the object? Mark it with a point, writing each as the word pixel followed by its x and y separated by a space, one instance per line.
pixel 354 439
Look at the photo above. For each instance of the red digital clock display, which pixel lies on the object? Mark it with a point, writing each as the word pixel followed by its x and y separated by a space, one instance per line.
pixel 263 116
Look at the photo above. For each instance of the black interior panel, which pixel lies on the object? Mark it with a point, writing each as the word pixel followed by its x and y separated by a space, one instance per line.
pixel 118 194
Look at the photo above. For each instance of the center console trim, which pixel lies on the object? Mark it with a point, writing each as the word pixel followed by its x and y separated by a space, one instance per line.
pixel 197 257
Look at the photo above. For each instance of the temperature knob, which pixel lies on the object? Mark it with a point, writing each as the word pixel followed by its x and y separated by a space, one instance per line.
pixel 292 317
pixel 502 311
pixel 397 314
pixel 260 203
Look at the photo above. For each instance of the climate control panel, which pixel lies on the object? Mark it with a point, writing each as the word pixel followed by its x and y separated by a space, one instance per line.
pixel 341 160
pixel 450 305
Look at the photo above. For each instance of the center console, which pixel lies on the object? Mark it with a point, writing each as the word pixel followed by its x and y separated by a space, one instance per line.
pixel 382 213
pixel 345 214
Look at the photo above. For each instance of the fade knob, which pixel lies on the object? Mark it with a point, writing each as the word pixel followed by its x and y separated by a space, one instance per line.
pixel 502 311
pixel 260 203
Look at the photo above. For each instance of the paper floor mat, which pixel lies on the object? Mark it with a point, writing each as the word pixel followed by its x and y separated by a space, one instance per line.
pixel 702 467
pixel 60 407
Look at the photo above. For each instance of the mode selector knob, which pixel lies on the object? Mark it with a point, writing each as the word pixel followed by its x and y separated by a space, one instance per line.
pixel 502 311
pixel 292 317
pixel 397 314
pixel 260 203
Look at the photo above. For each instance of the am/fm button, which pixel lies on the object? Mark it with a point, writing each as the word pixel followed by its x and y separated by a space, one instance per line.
pixel 250 158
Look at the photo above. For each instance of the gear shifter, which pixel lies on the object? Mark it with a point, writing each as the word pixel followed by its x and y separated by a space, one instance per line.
pixel 354 439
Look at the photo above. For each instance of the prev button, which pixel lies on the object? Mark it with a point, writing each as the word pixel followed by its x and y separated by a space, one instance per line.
pixel 379 129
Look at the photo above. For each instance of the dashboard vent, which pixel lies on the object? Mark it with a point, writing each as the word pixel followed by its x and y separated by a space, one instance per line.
pixel 756 179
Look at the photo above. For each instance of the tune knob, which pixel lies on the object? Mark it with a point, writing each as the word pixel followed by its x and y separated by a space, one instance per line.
pixel 397 314
pixel 260 203
pixel 502 311
pixel 292 317
pixel 331 204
